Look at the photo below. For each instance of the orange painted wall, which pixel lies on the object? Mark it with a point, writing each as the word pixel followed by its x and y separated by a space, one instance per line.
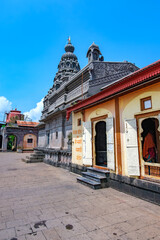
pixel 27 145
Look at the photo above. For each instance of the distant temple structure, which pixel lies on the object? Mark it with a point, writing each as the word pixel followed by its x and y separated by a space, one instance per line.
pixel 71 85
pixel 14 115
pixel 17 134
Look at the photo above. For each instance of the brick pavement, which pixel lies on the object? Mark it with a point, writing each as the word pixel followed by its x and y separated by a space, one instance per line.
pixel 41 202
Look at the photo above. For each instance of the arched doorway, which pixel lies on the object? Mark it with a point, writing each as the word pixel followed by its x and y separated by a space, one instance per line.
pixel 101 144
pixel 150 140
pixel 1 138
pixel 12 143
pixel 29 142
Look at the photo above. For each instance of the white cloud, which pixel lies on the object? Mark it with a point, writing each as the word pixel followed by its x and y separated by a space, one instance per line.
pixel 35 113
pixel 5 106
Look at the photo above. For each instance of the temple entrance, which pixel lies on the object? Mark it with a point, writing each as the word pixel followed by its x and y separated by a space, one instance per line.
pixel 1 141
pixel 100 144
pixel 12 143
pixel 149 136
pixel 150 140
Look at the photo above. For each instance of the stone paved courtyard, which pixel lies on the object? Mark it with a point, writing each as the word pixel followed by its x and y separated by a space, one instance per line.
pixel 41 202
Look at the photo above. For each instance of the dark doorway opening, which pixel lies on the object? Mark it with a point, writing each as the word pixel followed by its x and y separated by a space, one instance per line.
pixel 150 140
pixel 101 144
pixel 1 141
pixel 12 143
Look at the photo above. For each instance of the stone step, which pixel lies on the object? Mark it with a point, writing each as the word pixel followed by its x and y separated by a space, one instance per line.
pixel 38 152
pixel 100 179
pixel 93 176
pixel 35 160
pixel 101 172
pixel 34 154
pixel 88 182
pixel 37 157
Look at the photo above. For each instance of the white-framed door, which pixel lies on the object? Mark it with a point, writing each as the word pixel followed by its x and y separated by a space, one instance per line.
pixel 103 142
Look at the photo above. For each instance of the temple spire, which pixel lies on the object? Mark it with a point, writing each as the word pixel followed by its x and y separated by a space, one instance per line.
pixel 68 65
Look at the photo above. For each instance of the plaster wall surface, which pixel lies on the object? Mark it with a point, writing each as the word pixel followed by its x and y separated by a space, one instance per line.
pixel 106 108
pixel 41 138
pixel 56 139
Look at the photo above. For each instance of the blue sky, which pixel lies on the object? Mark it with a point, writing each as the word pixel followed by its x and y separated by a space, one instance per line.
pixel 34 33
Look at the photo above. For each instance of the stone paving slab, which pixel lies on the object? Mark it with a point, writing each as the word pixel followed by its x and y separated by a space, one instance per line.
pixel 41 202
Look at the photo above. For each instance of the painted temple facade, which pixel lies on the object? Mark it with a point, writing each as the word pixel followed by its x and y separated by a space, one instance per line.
pixel 119 129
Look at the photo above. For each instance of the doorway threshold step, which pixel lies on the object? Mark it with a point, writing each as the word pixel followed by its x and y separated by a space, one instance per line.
pixel 98 171
pixel 88 182
pixel 94 176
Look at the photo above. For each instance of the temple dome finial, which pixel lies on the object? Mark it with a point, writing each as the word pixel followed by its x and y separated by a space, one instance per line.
pixel 69 40
pixel 69 47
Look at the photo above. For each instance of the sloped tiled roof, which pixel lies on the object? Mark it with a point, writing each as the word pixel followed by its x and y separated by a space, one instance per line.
pixel 28 124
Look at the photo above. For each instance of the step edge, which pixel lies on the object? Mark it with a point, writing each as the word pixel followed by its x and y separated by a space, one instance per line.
pixel 98 170
pixel 83 180
pixel 94 175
